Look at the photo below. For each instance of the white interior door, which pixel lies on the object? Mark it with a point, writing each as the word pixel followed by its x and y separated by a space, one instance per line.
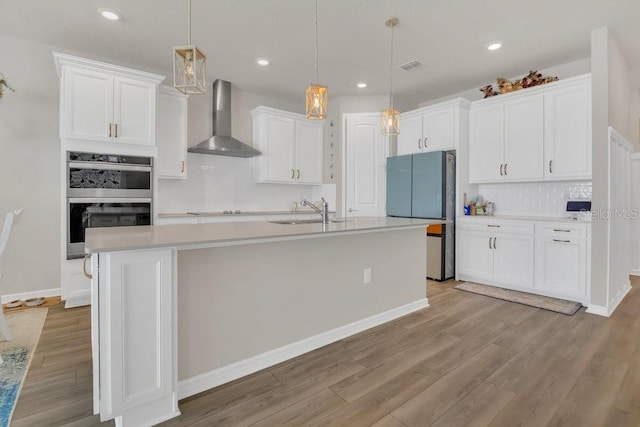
pixel 366 151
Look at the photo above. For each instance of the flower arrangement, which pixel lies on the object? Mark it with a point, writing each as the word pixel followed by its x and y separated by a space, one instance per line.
pixel 3 84
pixel 534 78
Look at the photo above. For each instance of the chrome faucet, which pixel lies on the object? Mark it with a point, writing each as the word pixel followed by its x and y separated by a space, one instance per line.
pixel 324 212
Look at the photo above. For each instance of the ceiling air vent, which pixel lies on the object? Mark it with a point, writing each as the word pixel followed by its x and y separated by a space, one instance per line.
pixel 412 65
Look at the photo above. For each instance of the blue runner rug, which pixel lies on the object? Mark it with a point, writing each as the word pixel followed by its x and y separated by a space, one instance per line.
pixel 12 373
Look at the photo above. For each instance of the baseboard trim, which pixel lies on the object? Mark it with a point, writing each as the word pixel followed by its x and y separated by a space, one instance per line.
pixel 608 311
pixel 635 272
pixel 78 300
pixel 33 294
pixel 208 380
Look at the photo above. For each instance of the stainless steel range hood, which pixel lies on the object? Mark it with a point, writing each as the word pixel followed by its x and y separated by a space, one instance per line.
pixel 221 143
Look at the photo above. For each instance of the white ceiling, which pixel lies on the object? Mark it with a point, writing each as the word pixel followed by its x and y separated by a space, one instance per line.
pixel 449 36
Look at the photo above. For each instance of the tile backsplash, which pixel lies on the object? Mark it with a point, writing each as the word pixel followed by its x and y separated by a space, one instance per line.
pixel 534 198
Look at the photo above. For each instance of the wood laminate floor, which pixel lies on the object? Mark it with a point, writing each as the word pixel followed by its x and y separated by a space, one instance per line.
pixel 469 360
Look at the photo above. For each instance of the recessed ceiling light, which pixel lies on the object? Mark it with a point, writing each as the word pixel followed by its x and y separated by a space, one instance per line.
pixel 494 46
pixel 362 85
pixel 109 14
pixel 262 61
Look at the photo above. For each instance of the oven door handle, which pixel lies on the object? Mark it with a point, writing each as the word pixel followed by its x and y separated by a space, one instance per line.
pixel 109 200
pixel 108 166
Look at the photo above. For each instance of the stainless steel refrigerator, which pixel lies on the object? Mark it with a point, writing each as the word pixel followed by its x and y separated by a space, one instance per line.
pixel 423 186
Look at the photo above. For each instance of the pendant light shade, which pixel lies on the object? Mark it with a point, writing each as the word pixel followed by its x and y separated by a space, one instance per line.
pixel 316 102
pixel 189 66
pixel 316 96
pixel 390 118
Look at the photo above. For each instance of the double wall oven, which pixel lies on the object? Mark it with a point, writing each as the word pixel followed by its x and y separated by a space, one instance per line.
pixel 106 191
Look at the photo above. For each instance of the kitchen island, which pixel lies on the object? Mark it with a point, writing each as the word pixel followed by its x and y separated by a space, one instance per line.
pixel 179 309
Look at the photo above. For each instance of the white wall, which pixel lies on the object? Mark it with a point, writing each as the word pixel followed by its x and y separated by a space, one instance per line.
pixel 611 89
pixel 562 71
pixel 216 183
pixel 29 166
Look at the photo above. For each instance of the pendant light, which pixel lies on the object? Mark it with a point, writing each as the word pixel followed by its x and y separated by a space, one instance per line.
pixel 189 66
pixel 316 95
pixel 390 119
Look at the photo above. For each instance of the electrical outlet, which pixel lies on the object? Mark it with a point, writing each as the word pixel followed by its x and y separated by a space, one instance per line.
pixel 367 275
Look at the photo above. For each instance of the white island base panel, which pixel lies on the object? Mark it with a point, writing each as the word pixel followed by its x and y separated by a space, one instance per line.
pixel 173 316
pixel 244 308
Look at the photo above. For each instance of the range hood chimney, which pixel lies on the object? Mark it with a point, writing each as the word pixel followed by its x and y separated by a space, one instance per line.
pixel 221 143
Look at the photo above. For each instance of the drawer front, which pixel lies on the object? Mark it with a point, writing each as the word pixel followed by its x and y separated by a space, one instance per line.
pixel 493 226
pixel 562 230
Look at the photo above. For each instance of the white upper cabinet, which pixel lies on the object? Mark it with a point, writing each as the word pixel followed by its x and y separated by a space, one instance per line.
pixel 104 103
pixel 171 133
pixel 432 128
pixel 523 138
pixel 291 146
pixel 486 143
pixel 567 139
pixel 535 134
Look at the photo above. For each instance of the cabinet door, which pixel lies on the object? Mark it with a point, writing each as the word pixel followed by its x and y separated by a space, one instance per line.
pixel 277 136
pixel 560 266
pixel 568 132
pixel 523 139
pixel 309 152
pixel 475 258
pixel 134 112
pixel 513 260
pixel 410 137
pixel 172 136
pixel 87 105
pixel 137 312
pixel 438 130
pixel 486 143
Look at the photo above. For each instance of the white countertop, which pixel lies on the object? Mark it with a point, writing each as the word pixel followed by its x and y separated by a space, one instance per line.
pixel 524 218
pixel 233 214
pixel 187 236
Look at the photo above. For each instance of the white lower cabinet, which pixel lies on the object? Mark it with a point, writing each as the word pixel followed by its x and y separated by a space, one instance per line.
pixel 543 257
pixel 561 260
pixel 135 309
pixel 496 253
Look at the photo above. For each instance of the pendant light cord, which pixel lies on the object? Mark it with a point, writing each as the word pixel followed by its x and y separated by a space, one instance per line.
pixel 189 25
pixel 316 23
pixel 391 72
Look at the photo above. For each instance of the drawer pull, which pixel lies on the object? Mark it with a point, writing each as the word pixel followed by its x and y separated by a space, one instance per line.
pixel 562 241
pixel 562 230
pixel 493 225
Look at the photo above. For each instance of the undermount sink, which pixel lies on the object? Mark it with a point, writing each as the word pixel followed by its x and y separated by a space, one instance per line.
pixel 303 221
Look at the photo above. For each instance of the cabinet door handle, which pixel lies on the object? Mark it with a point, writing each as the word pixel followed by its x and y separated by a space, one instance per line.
pixel 562 241
pixel 550 163
pixel 494 243
pixel 562 230
pixel 493 225
pixel 84 267
pixel 182 168
pixel 420 143
pixel 293 174
pixel 298 173
pixel 501 166
pixel 353 210
pixel 425 142
pixel 489 242
pixel 116 132
pixel 505 168
pixel 109 130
